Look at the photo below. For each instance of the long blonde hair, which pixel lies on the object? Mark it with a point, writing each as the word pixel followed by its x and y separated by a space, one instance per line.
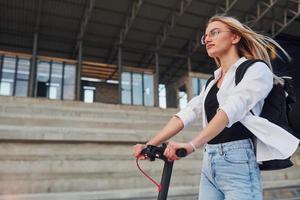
pixel 252 45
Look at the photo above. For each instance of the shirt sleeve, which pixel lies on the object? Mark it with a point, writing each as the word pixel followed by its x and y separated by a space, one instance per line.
pixel 255 86
pixel 193 110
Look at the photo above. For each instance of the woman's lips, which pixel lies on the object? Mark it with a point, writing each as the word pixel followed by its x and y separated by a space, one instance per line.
pixel 209 46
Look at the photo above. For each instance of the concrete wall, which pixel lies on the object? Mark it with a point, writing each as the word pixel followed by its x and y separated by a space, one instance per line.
pixel 107 93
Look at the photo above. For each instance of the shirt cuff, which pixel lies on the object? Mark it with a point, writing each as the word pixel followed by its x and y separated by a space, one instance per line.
pixel 187 117
pixel 226 109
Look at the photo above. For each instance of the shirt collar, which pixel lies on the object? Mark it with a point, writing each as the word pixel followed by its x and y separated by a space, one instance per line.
pixel 217 73
pixel 239 61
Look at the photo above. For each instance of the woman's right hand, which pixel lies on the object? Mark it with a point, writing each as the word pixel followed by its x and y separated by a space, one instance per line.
pixel 137 149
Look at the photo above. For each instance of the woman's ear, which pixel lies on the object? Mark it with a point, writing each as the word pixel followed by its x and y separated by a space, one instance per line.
pixel 235 39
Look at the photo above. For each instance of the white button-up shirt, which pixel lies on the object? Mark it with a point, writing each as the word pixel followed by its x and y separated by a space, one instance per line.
pixel 273 142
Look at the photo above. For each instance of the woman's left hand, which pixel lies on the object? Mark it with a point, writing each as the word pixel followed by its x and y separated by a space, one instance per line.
pixel 170 151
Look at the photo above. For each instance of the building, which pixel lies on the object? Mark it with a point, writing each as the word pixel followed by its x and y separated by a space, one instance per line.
pixel 133 52
pixel 64 49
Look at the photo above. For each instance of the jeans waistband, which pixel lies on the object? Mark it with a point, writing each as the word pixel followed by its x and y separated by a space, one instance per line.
pixel 223 147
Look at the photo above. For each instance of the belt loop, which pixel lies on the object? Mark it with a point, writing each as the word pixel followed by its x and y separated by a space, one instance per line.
pixel 251 143
pixel 221 149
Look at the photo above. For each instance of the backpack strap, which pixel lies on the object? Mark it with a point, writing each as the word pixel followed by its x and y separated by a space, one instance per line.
pixel 241 70
pixel 209 80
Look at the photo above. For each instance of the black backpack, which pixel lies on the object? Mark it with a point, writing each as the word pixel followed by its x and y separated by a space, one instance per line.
pixel 276 109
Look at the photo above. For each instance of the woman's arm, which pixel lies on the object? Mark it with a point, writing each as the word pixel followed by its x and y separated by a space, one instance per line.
pixel 214 127
pixel 180 120
pixel 174 126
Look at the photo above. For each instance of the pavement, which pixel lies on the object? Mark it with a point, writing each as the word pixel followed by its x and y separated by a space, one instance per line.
pixel 288 193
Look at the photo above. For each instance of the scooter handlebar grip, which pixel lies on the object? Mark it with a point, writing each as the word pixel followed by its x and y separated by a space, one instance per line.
pixel 181 152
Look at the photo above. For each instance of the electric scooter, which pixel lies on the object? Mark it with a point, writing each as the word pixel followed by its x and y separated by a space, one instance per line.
pixel 153 152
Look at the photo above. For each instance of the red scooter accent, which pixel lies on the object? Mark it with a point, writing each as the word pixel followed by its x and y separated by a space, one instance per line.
pixel 154 152
pixel 159 187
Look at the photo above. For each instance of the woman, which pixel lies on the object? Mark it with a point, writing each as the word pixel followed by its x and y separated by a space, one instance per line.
pixel 230 169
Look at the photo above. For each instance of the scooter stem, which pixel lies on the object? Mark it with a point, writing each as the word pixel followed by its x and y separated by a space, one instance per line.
pixel 165 180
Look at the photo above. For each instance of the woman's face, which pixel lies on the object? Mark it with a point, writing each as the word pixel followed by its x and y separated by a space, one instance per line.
pixel 218 39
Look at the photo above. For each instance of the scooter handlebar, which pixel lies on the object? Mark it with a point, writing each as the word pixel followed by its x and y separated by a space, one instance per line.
pixel 153 152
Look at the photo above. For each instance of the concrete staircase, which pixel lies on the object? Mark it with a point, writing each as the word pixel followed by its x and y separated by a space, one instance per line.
pixel 71 150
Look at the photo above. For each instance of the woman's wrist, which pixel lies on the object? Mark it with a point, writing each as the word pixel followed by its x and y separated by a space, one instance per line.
pixel 151 143
pixel 193 146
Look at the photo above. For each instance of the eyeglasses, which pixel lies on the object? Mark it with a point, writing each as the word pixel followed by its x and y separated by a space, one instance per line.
pixel 213 34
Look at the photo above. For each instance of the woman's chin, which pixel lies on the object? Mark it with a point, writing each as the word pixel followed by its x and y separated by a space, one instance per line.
pixel 212 54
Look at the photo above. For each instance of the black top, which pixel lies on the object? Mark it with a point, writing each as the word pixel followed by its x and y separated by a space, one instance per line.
pixel 236 132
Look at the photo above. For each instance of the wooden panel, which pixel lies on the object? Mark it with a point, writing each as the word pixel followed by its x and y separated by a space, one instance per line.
pixel 98 69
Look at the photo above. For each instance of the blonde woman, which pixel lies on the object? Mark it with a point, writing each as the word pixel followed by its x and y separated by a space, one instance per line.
pixel 230 170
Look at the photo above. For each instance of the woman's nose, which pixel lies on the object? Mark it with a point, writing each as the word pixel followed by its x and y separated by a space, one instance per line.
pixel 207 39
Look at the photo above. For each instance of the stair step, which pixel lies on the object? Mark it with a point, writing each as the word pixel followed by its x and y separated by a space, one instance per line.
pixel 180 192
pixel 78 105
pixel 12 132
pixel 86 183
pixel 52 147
pixel 60 121
pixel 61 112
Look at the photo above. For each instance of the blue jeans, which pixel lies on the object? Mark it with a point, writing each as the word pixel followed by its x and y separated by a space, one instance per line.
pixel 230 172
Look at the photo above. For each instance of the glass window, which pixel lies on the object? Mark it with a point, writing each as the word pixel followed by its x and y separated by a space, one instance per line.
pixel 89 92
pixel 198 83
pixel 195 87
pixel 162 96
pixel 15 73
pixel 8 74
pixel 5 88
pixel 148 90
pixel 43 70
pixel 51 86
pixel 126 88
pixel 137 89
pixel 53 91
pixel 69 82
pixel 56 81
pixel 22 77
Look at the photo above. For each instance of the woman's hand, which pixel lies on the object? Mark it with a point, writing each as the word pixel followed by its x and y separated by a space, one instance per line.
pixel 170 151
pixel 137 149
